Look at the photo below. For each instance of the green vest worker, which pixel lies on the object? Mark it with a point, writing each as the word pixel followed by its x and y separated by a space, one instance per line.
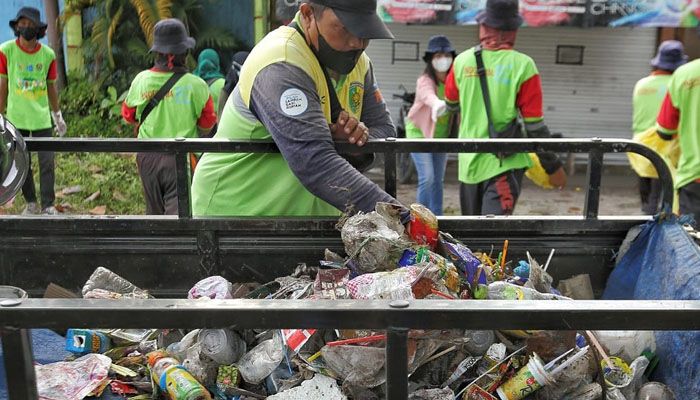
pixel 679 115
pixel 29 99
pixel 648 95
pixel 185 111
pixel 490 185
pixel 283 95
pixel 209 69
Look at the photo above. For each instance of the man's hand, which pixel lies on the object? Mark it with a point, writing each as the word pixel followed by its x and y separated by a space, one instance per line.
pixel 60 123
pixel 558 178
pixel 350 129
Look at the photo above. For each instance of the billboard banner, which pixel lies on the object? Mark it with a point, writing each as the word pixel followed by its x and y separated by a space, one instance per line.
pixel 537 13
pixel 579 13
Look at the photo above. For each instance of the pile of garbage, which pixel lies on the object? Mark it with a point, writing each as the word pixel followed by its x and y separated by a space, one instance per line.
pixel 386 259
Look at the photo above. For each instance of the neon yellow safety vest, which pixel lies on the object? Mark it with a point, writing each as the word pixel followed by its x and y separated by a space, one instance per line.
pixel 248 184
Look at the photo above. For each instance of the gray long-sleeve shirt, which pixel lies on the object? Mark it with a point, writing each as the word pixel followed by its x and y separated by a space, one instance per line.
pixel 304 137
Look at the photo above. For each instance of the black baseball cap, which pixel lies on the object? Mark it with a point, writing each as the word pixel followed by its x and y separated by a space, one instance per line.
pixel 359 17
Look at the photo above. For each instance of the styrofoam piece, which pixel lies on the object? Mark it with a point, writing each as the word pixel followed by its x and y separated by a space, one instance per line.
pixel 320 387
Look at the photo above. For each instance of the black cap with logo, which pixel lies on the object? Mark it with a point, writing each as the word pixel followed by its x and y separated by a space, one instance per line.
pixel 359 17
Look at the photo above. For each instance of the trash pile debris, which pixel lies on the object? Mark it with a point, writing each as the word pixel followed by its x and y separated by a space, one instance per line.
pixel 384 260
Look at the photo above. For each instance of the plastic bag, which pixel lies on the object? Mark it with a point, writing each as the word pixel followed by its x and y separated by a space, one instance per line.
pixel 357 365
pixel 373 241
pixel 508 291
pixel 102 278
pixel 463 259
pixel 669 150
pixel 394 285
pixel 258 363
pixel 201 367
pixel 332 284
pixel 663 263
pixel 72 380
pixel 638 366
pixel 213 287
pixel 432 394
pixel 108 295
pixel 537 174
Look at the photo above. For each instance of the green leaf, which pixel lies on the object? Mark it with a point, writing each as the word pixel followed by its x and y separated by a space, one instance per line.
pixel 112 92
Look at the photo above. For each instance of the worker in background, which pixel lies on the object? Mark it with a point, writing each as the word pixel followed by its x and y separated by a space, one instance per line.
pixel 29 99
pixel 649 93
pixel 231 79
pixel 429 119
pixel 491 183
pixel 679 115
pixel 167 102
pixel 304 86
pixel 209 69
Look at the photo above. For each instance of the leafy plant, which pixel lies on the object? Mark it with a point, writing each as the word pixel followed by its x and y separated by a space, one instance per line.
pixel 113 103
pixel 121 33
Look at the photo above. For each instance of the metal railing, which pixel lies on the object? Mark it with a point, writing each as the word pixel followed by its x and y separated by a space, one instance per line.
pixel 595 147
pixel 396 317
pixel 17 317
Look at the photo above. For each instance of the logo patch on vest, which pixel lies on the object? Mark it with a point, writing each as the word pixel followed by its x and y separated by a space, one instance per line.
pixel 355 96
pixel 293 102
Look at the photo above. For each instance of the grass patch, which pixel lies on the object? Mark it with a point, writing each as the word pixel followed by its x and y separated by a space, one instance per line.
pixel 114 176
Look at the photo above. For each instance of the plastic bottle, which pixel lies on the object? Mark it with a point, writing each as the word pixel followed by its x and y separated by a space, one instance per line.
pixel 627 345
pixel 86 341
pixel 173 378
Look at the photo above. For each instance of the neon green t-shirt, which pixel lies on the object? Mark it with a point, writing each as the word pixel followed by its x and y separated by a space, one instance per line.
pixel 648 95
pixel 27 81
pixel 506 71
pixel 684 90
pixel 177 114
pixel 215 91
pixel 442 125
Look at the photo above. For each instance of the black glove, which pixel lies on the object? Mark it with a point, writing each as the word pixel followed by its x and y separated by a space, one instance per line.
pixel 550 161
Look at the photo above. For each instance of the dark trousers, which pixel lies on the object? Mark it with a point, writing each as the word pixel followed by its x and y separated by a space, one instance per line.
pixel 650 194
pixel 689 201
pixel 496 196
pixel 159 181
pixel 47 175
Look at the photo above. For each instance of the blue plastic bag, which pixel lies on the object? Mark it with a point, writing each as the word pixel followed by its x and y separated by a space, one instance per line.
pixel 663 263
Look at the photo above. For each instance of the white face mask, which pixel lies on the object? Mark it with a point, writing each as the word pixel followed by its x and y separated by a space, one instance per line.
pixel 442 64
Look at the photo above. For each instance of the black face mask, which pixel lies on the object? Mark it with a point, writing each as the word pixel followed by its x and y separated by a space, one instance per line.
pixel 28 33
pixel 342 62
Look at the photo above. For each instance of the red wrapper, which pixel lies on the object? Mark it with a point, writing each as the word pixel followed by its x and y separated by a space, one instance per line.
pixel 423 228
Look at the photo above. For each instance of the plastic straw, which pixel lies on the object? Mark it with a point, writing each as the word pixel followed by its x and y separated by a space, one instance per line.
pixel 286 352
pixel 569 361
pixel 598 347
pixel 440 354
pixel 546 265
pixel 367 339
pixel 553 362
pixel 505 253
pixel 440 294
pixel 313 357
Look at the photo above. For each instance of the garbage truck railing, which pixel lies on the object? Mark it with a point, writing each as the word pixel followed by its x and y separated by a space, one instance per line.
pixel 595 147
pixel 396 317
pixel 18 316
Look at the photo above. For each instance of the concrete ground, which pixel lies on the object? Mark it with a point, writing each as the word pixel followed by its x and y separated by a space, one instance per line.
pixel 619 195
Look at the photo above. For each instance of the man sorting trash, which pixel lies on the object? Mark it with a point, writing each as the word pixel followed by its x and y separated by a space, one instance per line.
pixel 304 86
